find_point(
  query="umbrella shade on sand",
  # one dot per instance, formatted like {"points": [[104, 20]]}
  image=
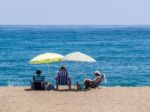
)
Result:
{"points": [[46, 58], [79, 57]]}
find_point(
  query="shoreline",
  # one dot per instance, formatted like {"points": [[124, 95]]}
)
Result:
{"points": [[73, 87], [103, 99]]}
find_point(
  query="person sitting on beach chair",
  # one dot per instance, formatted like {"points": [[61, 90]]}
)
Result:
{"points": [[38, 81], [62, 78], [89, 83]]}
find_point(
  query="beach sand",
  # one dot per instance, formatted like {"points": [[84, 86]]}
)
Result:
{"points": [[104, 99]]}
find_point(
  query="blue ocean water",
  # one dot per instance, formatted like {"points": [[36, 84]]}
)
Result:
{"points": [[122, 52]]}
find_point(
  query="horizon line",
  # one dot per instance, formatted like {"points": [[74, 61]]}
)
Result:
{"points": [[74, 24]]}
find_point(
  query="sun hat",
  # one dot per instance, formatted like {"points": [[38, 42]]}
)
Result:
{"points": [[97, 72]]}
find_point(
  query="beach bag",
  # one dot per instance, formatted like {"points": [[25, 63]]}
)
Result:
{"points": [[49, 87]]}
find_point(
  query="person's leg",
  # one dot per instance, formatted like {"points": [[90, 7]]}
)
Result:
{"points": [[78, 86], [87, 84], [32, 85], [56, 85], [69, 84], [43, 85], [85, 80], [92, 85]]}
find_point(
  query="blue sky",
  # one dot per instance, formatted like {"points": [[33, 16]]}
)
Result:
{"points": [[75, 12]]}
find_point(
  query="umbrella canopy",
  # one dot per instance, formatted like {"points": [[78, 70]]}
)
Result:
{"points": [[46, 58], [78, 56]]}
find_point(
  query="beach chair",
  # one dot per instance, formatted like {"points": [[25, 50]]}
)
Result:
{"points": [[37, 83], [96, 84], [91, 85], [63, 80]]}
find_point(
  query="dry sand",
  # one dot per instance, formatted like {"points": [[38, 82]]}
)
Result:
{"points": [[105, 99]]}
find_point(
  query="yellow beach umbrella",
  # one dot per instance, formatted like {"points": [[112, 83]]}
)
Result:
{"points": [[46, 58]]}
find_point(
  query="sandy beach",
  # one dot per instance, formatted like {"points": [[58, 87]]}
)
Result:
{"points": [[104, 99]]}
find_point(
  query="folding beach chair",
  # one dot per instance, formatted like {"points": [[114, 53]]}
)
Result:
{"points": [[37, 85], [96, 84], [63, 79], [90, 85]]}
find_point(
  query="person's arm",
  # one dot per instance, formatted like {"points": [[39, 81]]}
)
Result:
{"points": [[69, 78], [43, 78], [96, 79], [33, 78], [56, 76]]}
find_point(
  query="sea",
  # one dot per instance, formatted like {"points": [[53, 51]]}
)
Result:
{"points": [[122, 52]]}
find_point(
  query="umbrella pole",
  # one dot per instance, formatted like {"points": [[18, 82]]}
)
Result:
{"points": [[48, 69]]}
